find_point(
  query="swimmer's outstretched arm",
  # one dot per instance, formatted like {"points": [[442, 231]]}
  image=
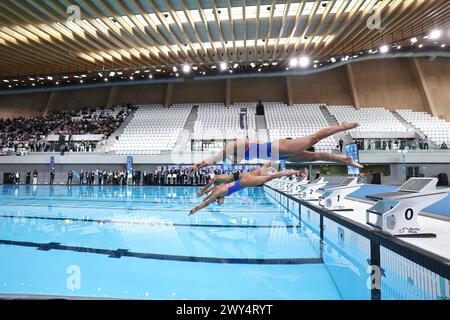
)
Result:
{"points": [[255, 181], [263, 170], [206, 202], [207, 188]]}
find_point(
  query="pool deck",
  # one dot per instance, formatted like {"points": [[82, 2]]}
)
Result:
{"points": [[441, 227]]}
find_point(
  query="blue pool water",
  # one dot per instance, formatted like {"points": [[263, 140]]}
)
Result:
{"points": [[140, 243]]}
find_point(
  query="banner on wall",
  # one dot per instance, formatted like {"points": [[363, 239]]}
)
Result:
{"points": [[282, 165], [352, 151], [129, 166], [52, 163]]}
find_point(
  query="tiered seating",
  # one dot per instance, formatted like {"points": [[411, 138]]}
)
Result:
{"points": [[152, 130], [370, 119], [297, 121], [215, 121], [437, 130]]}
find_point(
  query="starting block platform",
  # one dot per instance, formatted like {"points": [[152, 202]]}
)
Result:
{"points": [[332, 197], [308, 191], [396, 212]]}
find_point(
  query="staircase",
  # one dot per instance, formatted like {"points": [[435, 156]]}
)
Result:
{"points": [[112, 138], [190, 121], [347, 138], [408, 125], [260, 122], [183, 141]]}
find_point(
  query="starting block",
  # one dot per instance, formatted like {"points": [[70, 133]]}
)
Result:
{"points": [[307, 191], [396, 212], [295, 188], [332, 198]]}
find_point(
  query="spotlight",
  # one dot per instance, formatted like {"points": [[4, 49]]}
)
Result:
{"points": [[112, 73], [235, 65], [100, 74], [413, 40], [81, 81], [384, 49], [176, 74], [57, 82], [443, 46], [252, 65], [131, 78], [293, 62], [420, 45], [259, 70], [333, 60], [49, 78], [223, 66], [304, 62], [174, 69], [274, 63], [435, 34], [186, 68], [194, 67], [399, 47], [106, 79], [150, 76]]}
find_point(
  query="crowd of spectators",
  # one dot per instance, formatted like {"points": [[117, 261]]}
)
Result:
{"points": [[164, 175], [28, 134], [160, 176]]}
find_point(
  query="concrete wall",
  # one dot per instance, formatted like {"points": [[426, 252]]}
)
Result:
{"points": [[392, 83]]}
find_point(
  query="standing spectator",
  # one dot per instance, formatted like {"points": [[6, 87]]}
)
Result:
{"points": [[28, 179], [341, 144], [17, 177], [81, 177], [69, 177], [100, 177], [52, 176], [35, 176], [425, 143], [138, 177]]}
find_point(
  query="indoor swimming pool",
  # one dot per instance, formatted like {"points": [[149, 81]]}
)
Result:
{"points": [[140, 243]]}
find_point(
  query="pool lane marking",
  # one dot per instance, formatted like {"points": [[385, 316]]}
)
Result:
{"points": [[275, 226], [119, 253], [274, 210]]}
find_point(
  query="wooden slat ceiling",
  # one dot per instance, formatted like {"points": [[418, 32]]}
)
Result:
{"points": [[35, 37]]}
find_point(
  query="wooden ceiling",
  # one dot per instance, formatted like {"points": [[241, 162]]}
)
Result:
{"points": [[36, 37]]}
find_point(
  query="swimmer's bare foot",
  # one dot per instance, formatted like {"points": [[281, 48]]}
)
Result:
{"points": [[191, 212], [349, 161], [198, 194], [199, 165], [349, 125]]}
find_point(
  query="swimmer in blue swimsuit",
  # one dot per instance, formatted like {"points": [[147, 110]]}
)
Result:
{"points": [[294, 150], [226, 178], [246, 180]]}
